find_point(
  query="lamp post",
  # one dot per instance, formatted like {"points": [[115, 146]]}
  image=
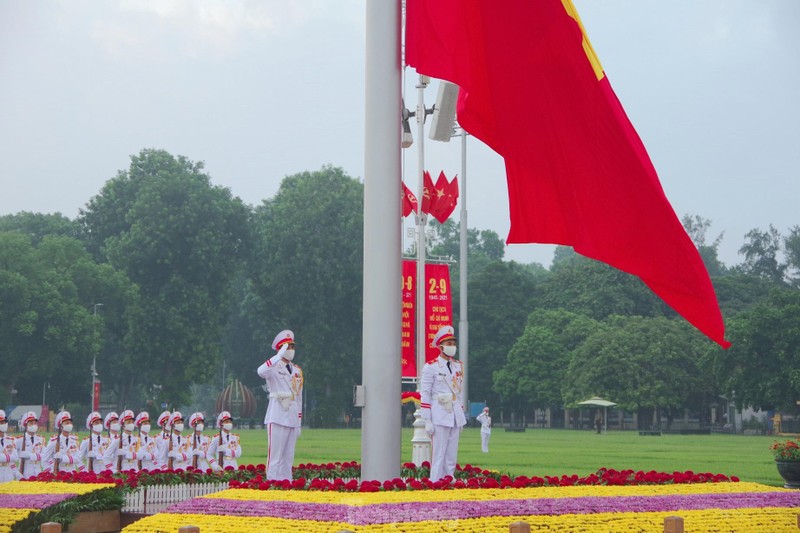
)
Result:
{"points": [[45, 386], [94, 364]]}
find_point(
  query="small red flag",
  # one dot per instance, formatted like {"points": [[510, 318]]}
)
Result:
{"points": [[532, 88], [444, 198], [409, 201], [427, 193]]}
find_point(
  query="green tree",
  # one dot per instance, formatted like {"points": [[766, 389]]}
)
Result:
{"points": [[761, 250], [763, 365], [535, 372], [307, 270], [792, 248], [637, 362], [500, 298], [182, 241], [47, 325], [38, 225], [697, 227], [588, 287]]}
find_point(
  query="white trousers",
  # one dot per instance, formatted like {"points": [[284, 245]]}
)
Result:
{"points": [[281, 441], [444, 443], [485, 442]]}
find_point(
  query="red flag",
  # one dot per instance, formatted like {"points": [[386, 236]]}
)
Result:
{"points": [[409, 201], [444, 198], [578, 174], [427, 192]]}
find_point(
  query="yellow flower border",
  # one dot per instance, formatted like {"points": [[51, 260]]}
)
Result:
{"points": [[371, 498], [36, 487]]}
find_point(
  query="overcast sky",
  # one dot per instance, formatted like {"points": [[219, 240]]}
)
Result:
{"points": [[259, 90]]}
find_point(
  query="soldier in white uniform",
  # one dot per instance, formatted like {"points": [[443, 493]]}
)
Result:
{"points": [[162, 439], [200, 443], [95, 447], [442, 403], [486, 428], [9, 458], [225, 446], [127, 453], [179, 446], [111, 423], [30, 446], [148, 454], [285, 410], [62, 453]]}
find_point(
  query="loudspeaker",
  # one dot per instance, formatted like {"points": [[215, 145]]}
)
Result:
{"points": [[444, 112]]}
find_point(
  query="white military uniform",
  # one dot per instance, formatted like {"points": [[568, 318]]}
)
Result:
{"points": [[9, 458], [30, 447], [148, 456], [128, 449], [225, 447], [111, 423], [179, 445], [63, 450], [442, 405], [285, 410], [486, 429], [95, 448], [162, 439], [200, 443]]}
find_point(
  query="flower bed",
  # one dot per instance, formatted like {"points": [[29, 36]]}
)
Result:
{"points": [[25, 505], [706, 507]]}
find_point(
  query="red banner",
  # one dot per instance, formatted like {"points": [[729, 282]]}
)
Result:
{"points": [[96, 406], [438, 311], [408, 317]]}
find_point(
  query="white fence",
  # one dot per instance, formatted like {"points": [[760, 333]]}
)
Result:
{"points": [[155, 498]]}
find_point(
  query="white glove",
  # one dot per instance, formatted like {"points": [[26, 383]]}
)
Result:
{"points": [[128, 455], [283, 349], [429, 427], [198, 452], [175, 454], [228, 452], [24, 454], [299, 429]]}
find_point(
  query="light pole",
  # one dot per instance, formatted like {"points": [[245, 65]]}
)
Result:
{"points": [[45, 386], [94, 363]]}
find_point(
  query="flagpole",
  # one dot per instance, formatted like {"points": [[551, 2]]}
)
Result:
{"points": [[381, 414], [463, 323]]}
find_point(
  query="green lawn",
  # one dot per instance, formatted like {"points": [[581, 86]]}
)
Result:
{"points": [[539, 452]]}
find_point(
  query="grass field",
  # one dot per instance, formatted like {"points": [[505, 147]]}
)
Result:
{"points": [[542, 452]]}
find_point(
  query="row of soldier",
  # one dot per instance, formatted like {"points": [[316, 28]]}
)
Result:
{"points": [[117, 443]]}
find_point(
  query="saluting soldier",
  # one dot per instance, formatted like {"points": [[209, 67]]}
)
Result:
{"points": [[30, 446], [486, 428], [95, 447], [127, 458], [285, 410], [179, 447], [225, 447], [442, 403], [148, 454], [62, 452], [9, 458]]}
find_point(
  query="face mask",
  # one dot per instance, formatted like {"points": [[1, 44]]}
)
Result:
{"points": [[4, 427], [129, 427], [178, 427], [289, 355], [450, 351], [199, 427], [145, 428], [227, 426], [114, 426], [67, 427], [97, 428], [33, 429]]}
